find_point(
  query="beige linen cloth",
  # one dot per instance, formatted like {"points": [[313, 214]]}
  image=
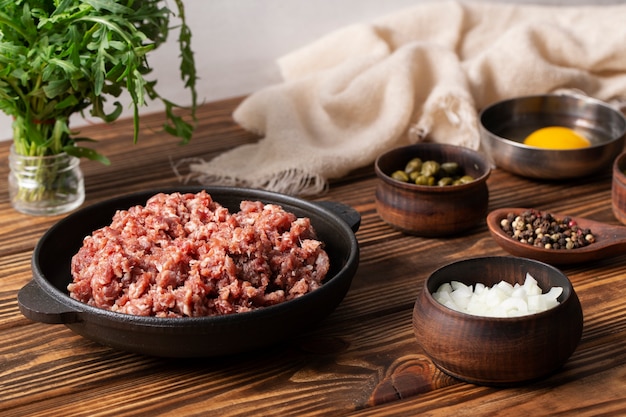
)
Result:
{"points": [[421, 74]]}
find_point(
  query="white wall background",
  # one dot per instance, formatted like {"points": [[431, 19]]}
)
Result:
{"points": [[237, 42]]}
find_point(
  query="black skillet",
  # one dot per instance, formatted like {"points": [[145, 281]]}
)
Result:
{"points": [[45, 299]]}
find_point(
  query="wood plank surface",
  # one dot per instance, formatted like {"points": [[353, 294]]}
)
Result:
{"points": [[362, 360]]}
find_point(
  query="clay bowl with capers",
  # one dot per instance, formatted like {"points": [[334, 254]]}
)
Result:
{"points": [[449, 203]]}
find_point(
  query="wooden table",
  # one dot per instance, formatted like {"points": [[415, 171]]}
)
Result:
{"points": [[362, 360]]}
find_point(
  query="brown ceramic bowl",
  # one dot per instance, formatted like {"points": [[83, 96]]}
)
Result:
{"points": [[432, 210], [618, 188], [504, 126], [498, 351]]}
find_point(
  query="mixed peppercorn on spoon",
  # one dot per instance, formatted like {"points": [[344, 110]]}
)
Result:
{"points": [[603, 240]]}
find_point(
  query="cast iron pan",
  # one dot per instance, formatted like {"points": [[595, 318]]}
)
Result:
{"points": [[45, 299]]}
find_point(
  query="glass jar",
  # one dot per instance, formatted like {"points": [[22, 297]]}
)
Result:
{"points": [[45, 185]]}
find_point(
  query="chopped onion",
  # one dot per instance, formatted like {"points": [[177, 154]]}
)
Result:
{"points": [[501, 300]]}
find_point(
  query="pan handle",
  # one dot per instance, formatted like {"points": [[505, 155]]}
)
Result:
{"points": [[35, 304], [345, 212]]}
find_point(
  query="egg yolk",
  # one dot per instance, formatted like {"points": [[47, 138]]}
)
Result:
{"points": [[556, 137]]}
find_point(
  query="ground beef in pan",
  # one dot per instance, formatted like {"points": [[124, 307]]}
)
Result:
{"points": [[186, 255]]}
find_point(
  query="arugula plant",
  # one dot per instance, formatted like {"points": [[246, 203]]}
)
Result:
{"points": [[60, 57]]}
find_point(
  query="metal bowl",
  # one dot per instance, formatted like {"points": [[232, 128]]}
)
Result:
{"points": [[45, 299], [504, 126], [492, 350]]}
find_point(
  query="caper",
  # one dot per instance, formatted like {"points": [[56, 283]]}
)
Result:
{"points": [[413, 175], [430, 168], [414, 165], [425, 180], [400, 176], [432, 173], [450, 168], [465, 179]]}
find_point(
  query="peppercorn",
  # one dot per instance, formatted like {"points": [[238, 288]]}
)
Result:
{"points": [[543, 230]]}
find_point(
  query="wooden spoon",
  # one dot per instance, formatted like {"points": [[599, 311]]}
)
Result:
{"points": [[610, 241]]}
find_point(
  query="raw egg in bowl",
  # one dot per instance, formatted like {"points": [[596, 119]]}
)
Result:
{"points": [[556, 137], [551, 136]]}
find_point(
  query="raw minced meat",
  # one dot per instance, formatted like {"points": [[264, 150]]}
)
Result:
{"points": [[186, 255]]}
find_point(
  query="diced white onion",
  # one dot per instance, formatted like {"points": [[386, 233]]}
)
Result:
{"points": [[501, 300]]}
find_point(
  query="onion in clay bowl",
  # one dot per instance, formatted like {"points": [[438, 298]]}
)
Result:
{"points": [[46, 299], [601, 240], [469, 342]]}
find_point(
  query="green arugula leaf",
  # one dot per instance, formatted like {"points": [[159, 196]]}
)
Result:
{"points": [[60, 57], [88, 153]]}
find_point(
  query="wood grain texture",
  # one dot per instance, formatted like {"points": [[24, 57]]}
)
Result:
{"points": [[362, 360]]}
